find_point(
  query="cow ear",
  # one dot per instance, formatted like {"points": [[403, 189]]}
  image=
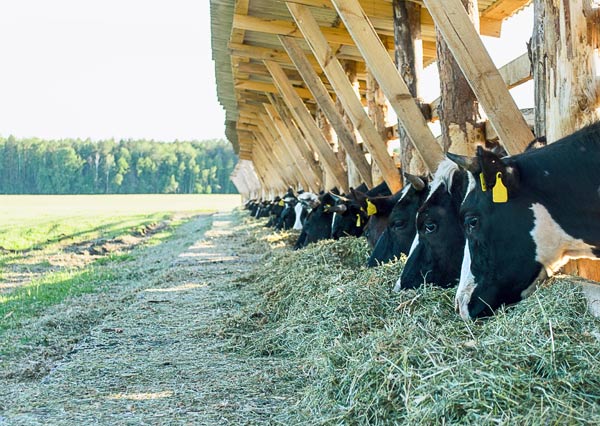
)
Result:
{"points": [[496, 175], [470, 164], [416, 181], [379, 205]]}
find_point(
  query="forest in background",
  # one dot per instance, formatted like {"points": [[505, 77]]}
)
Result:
{"points": [[35, 166]]}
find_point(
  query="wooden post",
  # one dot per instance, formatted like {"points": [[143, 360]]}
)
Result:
{"points": [[299, 154], [321, 95], [567, 76], [353, 107], [308, 125], [280, 176], [453, 22], [350, 70], [408, 54], [462, 127], [299, 138], [288, 150], [377, 108], [391, 82]]}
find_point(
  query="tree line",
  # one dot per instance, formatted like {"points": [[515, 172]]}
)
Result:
{"points": [[35, 166]]}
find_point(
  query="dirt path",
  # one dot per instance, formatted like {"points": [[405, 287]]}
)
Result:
{"points": [[159, 359]]}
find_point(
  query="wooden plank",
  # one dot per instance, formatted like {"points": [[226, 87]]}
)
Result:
{"points": [[259, 86], [457, 29], [283, 165], [391, 82], [514, 73], [380, 10], [308, 126], [296, 150], [321, 95], [287, 158], [278, 27], [298, 137], [345, 92]]}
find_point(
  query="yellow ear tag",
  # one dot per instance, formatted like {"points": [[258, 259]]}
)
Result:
{"points": [[281, 203], [499, 192], [357, 220], [371, 208], [482, 180]]}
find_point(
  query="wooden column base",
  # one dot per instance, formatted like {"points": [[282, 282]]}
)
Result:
{"points": [[585, 268]]}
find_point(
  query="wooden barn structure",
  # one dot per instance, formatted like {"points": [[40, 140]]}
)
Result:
{"points": [[309, 86]]}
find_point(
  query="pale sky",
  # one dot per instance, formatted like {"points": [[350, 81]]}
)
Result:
{"points": [[130, 69], [109, 68]]}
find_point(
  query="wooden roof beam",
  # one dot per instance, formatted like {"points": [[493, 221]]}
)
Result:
{"points": [[320, 93], [515, 73], [309, 127], [259, 86], [345, 92], [304, 161], [391, 82], [482, 75]]}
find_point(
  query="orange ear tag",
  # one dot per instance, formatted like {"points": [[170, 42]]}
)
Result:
{"points": [[371, 208], [357, 220], [499, 192], [482, 180]]}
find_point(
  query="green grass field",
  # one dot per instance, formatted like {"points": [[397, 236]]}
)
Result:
{"points": [[31, 221], [49, 244]]}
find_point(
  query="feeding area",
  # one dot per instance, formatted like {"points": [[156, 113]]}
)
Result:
{"points": [[367, 355]]}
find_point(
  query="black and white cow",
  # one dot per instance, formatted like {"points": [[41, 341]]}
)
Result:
{"points": [[350, 214], [317, 225], [401, 210], [525, 216], [436, 253]]}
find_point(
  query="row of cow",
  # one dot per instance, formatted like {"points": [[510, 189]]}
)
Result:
{"points": [[494, 225]]}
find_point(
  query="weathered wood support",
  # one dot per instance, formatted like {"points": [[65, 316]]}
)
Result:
{"points": [[408, 54], [299, 138], [308, 125], [298, 151], [321, 95], [565, 74], [453, 22], [377, 109], [391, 82], [270, 132], [280, 177], [461, 123], [353, 107]]}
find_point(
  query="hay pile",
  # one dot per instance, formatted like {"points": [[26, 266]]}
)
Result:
{"points": [[374, 357]]}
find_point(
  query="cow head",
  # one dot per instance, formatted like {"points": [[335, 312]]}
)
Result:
{"points": [[436, 251], [350, 215], [399, 233], [499, 263]]}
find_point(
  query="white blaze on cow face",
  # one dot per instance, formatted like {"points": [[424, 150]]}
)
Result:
{"points": [[471, 186], [298, 210], [443, 175], [413, 246], [553, 246], [466, 287]]}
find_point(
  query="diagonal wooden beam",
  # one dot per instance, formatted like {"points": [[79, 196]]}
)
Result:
{"points": [[452, 20], [321, 95], [273, 140], [296, 150], [345, 92], [297, 136], [279, 27], [259, 86], [309, 127], [390, 81], [284, 165]]}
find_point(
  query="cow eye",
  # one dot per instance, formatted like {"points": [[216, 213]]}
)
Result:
{"points": [[471, 224], [430, 227], [399, 224]]}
